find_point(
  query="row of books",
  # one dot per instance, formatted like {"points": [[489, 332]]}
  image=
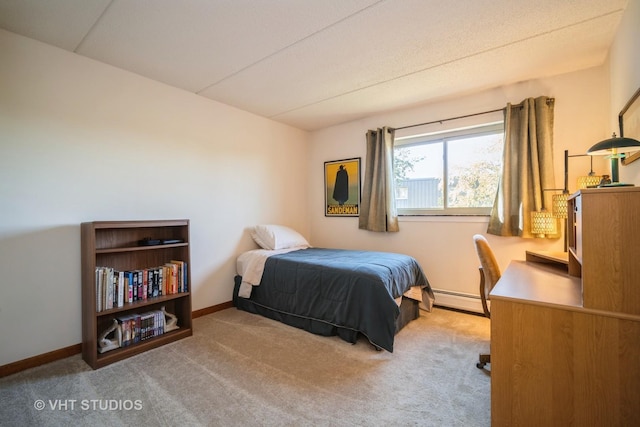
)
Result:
{"points": [[139, 327], [115, 288]]}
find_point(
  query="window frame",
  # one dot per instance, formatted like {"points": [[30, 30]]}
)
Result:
{"points": [[443, 137]]}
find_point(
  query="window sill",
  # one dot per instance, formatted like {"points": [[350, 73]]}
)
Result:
{"points": [[445, 218]]}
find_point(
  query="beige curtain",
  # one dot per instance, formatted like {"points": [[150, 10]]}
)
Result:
{"points": [[378, 204], [527, 167]]}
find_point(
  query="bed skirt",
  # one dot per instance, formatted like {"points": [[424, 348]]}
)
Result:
{"points": [[409, 310]]}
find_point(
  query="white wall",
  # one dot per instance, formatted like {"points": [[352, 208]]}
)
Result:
{"points": [[624, 60], [443, 246], [82, 141]]}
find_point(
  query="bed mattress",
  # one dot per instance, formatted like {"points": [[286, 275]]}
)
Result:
{"points": [[338, 292]]}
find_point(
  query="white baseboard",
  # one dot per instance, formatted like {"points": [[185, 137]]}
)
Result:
{"points": [[458, 300]]}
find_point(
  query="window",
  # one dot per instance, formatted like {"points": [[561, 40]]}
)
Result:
{"points": [[452, 172]]}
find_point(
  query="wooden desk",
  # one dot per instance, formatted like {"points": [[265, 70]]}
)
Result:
{"points": [[555, 363]]}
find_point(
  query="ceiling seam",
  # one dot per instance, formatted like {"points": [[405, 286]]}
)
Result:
{"points": [[282, 49], [447, 63], [75, 50]]}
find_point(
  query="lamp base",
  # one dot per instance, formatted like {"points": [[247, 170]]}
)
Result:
{"points": [[616, 184]]}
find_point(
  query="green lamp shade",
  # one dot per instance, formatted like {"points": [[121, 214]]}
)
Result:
{"points": [[621, 145], [614, 147]]}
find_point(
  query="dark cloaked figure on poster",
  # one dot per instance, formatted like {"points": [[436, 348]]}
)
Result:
{"points": [[341, 189]]}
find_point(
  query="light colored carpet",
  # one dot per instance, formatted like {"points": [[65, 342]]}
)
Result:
{"points": [[240, 369]]}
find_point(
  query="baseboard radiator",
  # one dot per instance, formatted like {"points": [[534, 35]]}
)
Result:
{"points": [[458, 300]]}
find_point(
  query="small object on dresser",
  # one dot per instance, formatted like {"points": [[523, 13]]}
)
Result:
{"points": [[171, 241], [148, 241]]}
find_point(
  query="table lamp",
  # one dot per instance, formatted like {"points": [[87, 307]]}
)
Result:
{"points": [[589, 180], [615, 148], [543, 223]]}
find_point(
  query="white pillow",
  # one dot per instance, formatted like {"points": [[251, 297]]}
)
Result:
{"points": [[278, 237]]}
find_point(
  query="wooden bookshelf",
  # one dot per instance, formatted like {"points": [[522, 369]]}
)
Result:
{"points": [[116, 244]]}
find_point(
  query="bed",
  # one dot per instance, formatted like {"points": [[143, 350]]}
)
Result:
{"points": [[348, 293]]}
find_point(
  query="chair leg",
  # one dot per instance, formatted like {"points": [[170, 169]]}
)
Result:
{"points": [[483, 360]]}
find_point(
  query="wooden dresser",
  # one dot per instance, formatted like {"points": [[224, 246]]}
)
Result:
{"points": [[565, 348]]}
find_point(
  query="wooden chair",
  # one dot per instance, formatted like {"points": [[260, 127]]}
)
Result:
{"points": [[489, 275]]}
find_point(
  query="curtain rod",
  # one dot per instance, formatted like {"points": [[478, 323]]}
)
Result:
{"points": [[452, 118], [549, 101]]}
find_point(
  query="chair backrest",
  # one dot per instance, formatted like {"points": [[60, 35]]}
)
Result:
{"points": [[490, 267]]}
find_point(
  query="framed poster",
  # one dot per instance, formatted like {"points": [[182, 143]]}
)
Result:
{"points": [[342, 187], [629, 121]]}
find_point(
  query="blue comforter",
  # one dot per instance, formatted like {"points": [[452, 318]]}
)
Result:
{"points": [[349, 289]]}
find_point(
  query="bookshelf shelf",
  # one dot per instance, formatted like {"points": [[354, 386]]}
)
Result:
{"points": [[115, 244], [137, 305], [139, 248], [110, 357]]}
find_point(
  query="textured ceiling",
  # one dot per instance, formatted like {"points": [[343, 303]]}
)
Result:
{"points": [[316, 63]]}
